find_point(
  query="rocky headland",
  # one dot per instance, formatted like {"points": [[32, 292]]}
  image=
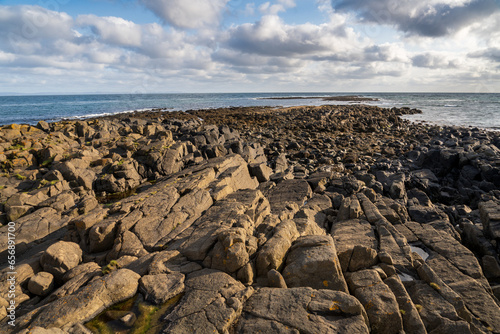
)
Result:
{"points": [[332, 219]]}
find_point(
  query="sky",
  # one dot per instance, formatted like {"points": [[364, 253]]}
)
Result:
{"points": [[164, 46]]}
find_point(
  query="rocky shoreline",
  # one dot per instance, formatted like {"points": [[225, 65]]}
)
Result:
{"points": [[331, 219]]}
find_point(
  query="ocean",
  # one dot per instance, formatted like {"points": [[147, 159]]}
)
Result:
{"points": [[462, 109]]}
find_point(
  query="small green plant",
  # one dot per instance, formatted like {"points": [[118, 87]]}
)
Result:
{"points": [[20, 177], [120, 162], [16, 147], [419, 307], [113, 265], [434, 286], [403, 312], [47, 162], [2, 187]]}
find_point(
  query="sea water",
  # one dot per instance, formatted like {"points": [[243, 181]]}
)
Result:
{"points": [[462, 109]]}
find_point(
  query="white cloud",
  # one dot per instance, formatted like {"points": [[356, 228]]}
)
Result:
{"points": [[432, 18], [113, 30], [266, 54], [188, 14], [272, 9]]}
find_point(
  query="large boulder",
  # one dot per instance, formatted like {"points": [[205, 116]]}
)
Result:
{"points": [[302, 310], [89, 301], [212, 303], [378, 300], [61, 257], [312, 261]]}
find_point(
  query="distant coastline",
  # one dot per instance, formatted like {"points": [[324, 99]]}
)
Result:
{"points": [[458, 109], [346, 98]]}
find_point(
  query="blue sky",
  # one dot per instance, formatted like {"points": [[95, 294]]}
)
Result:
{"points": [[151, 46]]}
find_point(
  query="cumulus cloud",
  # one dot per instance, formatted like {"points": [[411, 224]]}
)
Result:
{"points": [[113, 30], [268, 8], [24, 27], [431, 18], [187, 14], [492, 53], [268, 53], [434, 61], [270, 36]]}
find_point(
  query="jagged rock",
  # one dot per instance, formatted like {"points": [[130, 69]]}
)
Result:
{"points": [[377, 299], [307, 311], [126, 244], [350, 233], [286, 192], [272, 254], [490, 217], [32, 227], [102, 236], [412, 323], [159, 288], [61, 257], [362, 258], [261, 171], [86, 303], [312, 261], [491, 267], [230, 253], [213, 302], [436, 313], [275, 279], [168, 262], [41, 284]]}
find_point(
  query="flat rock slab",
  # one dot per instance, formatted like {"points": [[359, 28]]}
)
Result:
{"points": [[288, 191], [160, 288], [302, 310]]}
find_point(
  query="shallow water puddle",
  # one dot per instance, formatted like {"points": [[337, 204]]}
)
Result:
{"points": [[132, 316], [423, 254]]}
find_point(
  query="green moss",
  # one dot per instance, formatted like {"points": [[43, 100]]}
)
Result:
{"points": [[16, 147], [99, 326], [149, 319], [2, 187], [47, 162], [19, 177], [419, 307], [113, 265]]}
